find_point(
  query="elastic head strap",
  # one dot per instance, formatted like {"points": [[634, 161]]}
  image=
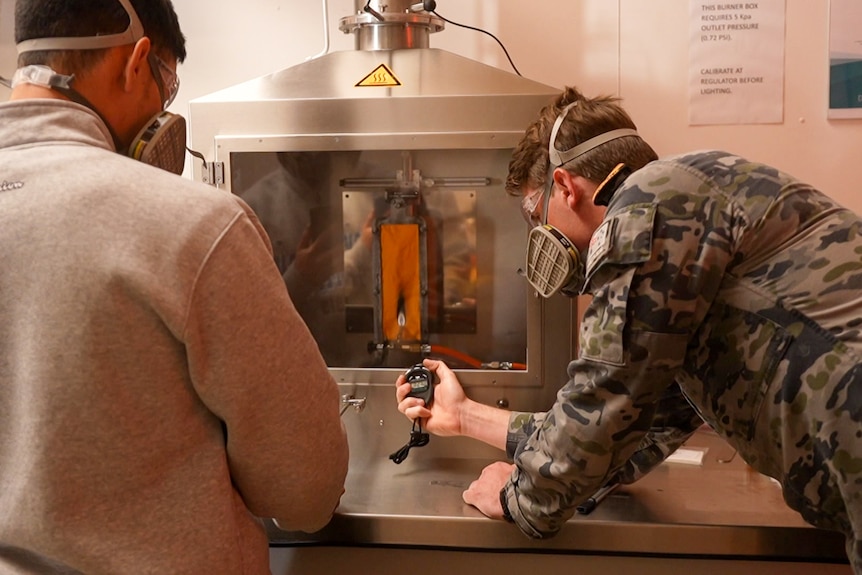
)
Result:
{"points": [[133, 33], [560, 157]]}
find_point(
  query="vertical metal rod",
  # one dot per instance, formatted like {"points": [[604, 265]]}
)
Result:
{"points": [[325, 50]]}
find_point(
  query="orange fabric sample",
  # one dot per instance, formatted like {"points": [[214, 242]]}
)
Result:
{"points": [[400, 281]]}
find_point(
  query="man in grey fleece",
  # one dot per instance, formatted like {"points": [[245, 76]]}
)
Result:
{"points": [[158, 391]]}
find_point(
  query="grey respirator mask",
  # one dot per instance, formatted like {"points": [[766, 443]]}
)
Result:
{"points": [[554, 264], [162, 140]]}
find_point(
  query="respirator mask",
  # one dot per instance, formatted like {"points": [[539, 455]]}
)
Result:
{"points": [[162, 143], [162, 140], [554, 264]]}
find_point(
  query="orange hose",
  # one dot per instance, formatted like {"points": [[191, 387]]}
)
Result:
{"points": [[468, 359]]}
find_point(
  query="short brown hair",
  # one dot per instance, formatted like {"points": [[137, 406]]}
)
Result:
{"points": [[591, 117]]}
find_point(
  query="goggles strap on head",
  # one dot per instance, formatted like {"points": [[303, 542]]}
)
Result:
{"points": [[133, 33]]}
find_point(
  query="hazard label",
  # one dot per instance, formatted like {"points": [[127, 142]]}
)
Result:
{"points": [[380, 76]]}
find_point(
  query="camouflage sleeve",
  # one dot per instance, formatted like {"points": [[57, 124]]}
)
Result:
{"points": [[674, 422], [521, 426], [653, 268]]}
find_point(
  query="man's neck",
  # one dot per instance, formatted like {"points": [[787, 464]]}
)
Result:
{"points": [[32, 92]]}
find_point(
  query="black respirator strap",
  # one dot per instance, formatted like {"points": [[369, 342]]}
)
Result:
{"points": [[76, 97]]}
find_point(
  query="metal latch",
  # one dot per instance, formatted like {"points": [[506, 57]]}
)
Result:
{"points": [[347, 401]]}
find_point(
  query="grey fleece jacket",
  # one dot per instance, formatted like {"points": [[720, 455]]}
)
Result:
{"points": [[158, 390]]}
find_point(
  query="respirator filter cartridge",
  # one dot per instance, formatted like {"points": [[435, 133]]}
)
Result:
{"points": [[552, 260], [162, 143]]}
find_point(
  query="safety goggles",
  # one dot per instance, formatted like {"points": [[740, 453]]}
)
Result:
{"points": [[540, 196], [529, 204], [167, 80]]}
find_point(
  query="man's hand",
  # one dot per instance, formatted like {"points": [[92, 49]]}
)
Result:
{"points": [[484, 493], [444, 417], [453, 413]]}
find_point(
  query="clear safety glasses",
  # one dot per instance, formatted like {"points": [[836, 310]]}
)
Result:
{"points": [[167, 80], [529, 204]]}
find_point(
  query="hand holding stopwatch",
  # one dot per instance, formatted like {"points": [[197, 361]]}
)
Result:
{"points": [[421, 381]]}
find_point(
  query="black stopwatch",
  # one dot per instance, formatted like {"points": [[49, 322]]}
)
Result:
{"points": [[421, 382]]}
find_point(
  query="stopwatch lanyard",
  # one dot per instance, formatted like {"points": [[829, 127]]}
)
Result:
{"points": [[418, 438]]}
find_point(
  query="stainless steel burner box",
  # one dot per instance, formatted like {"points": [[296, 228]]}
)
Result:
{"points": [[452, 117]]}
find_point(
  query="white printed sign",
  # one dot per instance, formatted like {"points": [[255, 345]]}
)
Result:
{"points": [[736, 62]]}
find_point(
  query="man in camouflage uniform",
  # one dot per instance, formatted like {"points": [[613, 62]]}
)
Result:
{"points": [[723, 289]]}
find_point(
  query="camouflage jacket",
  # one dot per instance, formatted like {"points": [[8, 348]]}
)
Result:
{"points": [[724, 290]]}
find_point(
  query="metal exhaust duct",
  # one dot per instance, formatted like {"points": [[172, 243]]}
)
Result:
{"points": [[391, 25]]}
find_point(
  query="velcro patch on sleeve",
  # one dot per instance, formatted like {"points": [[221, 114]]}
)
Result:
{"points": [[600, 244], [624, 239]]}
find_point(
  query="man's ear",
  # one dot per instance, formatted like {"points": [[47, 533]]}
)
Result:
{"points": [[136, 67], [569, 186]]}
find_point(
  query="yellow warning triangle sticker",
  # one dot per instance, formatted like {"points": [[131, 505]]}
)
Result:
{"points": [[380, 76]]}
